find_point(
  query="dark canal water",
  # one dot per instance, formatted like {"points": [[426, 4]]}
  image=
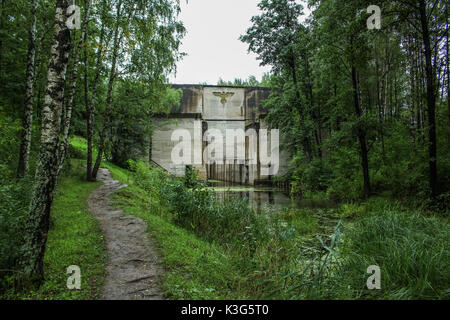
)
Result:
{"points": [[264, 197]]}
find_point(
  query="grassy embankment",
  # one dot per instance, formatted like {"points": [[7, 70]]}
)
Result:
{"points": [[226, 251]]}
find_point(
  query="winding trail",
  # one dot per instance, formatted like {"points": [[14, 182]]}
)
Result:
{"points": [[134, 268]]}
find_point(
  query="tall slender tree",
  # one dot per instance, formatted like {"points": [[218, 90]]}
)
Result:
{"points": [[37, 225], [72, 87], [89, 101], [431, 97], [25, 145], [112, 77], [273, 37]]}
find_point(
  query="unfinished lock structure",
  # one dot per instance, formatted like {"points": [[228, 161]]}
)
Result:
{"points": [[221, 108]]}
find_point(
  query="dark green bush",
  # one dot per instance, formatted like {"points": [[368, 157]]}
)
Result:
{"points": [[9, 145], [14, 199]]}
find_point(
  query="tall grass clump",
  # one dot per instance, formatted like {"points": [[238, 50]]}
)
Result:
{"points": [[411, 250]]}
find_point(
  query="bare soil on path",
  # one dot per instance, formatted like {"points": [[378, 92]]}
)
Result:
{"points": [[134, 267]]}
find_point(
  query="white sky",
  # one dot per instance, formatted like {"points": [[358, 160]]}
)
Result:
{"points": [[212, 42]]}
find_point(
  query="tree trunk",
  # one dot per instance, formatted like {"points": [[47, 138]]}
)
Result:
{"points": [[112, 76], [90, 102], [380, 109], [447, 62], [314, 113], [412, 91], [2, 23], [37, 225], [306, 142], [431, 100], [412, 108], [72, 86], [361, 134], [90, 116], [90, 119], [24, 154]]}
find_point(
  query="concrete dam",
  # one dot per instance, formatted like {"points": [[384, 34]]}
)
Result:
{"points": [[219, 109]]}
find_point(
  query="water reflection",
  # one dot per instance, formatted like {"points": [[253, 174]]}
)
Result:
{"points": [[264, 197]]}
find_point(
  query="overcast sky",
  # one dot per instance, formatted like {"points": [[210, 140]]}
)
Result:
{"points": [[212, 42]]}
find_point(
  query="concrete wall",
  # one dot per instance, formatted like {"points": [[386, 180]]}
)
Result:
{"points": [[162, 145], [221, 108]]}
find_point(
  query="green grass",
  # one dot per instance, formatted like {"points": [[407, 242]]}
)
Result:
{"points": [[78, 148], [74, 239]]}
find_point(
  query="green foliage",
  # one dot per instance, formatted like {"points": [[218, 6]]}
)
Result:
{"points": [[14, 26], [273, 33], [309, 178], [252, 241], [9, 142], [134, 105], [14, 198], [350, 210], [77, 147], [191, 177], [152, 37], [319, 65], [250, 82], [346, 183]]}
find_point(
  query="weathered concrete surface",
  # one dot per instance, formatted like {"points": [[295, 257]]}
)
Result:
{"points": [[134, 268], [215, 109]]}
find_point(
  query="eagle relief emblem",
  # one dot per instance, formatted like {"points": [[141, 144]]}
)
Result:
{"points": [[223, 96]]}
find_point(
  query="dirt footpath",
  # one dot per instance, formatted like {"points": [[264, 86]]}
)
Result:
{"points": [[134, 269]]}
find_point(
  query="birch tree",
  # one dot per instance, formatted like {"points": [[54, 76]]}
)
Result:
{"points": [[72, 86], [24, 154], [37, 225]]}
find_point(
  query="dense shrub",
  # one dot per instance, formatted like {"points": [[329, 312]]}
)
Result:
{"points": [[310, 177], [14, 196], [193, 206], [398, 168], [14, 199], [9, 142]]}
